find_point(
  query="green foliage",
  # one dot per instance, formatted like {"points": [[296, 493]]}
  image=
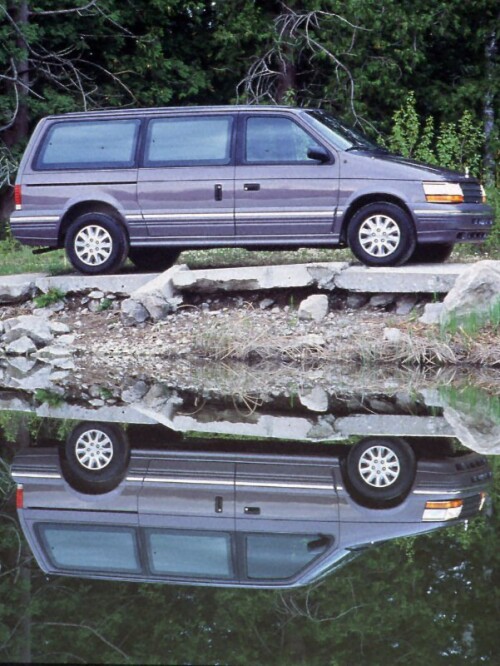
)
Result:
{"points": [[49, 397], [104, 305], [458, 145], [52, 296]]}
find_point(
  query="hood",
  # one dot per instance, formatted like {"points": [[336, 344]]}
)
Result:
{"points": [[375, 164]]}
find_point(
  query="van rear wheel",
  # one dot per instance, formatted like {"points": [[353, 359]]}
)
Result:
{"points": [[96, 243]]}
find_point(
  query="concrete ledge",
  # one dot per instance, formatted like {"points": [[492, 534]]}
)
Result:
{"points": [[419, 278], [403, 279], [122, 285]]}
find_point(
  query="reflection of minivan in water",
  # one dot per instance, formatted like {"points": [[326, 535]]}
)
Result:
{"points": [[246, 517], [150, 183]]}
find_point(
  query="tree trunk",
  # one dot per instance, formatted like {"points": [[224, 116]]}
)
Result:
{"points": [[490, 52], [19, 130]]}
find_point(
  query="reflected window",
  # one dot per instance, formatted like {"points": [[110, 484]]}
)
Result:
{"points": [[189, 141], [197, 554], [280, 556], [277, 140], [91, 548]]}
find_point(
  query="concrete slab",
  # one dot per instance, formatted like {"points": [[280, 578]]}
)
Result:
{"points": [[252, 278], [419, 278], [122, 285]]}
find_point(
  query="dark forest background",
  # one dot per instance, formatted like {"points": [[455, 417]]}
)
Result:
{"points": [[360, 59]]}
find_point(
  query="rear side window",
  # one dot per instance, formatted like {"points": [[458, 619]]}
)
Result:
{"points": [[184, 141], [89, 145], [80, 548]]}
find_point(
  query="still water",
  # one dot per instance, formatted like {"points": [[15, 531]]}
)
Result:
{"points": [[328, 528]]}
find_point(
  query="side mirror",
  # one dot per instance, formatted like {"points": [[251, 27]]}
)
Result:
{"points": [[319, 154]]}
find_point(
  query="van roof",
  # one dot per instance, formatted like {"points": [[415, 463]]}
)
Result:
{"points": [[174, 109]]}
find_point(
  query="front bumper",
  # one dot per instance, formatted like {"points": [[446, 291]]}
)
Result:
{"points": [[447, 223]]}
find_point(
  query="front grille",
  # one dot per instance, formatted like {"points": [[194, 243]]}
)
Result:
{"points": [[472, 191], [471, 506]]}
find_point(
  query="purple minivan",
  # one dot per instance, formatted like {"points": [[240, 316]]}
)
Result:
{"points": [[148, 183]]}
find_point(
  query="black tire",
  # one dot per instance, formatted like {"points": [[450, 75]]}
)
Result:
{"points": [[96, 243], [153, 258], [381, 470], [430, 253], [394, 237], [95, 457]]}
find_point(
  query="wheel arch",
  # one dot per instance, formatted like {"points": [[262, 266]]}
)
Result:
{"points": [[84, 207], [364, 200]]}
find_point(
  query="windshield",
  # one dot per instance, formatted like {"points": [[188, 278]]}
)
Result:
{"points": [[341, 135]]}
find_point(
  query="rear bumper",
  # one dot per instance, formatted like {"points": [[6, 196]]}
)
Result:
{"points": [[442, 223], [35, 229]]}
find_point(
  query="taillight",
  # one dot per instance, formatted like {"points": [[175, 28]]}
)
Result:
{"points": [[18, 198], [19, 497]]}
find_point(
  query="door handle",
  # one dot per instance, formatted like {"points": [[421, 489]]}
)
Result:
{"points": [[252, 510], [251, 187], [218, 192], [218, 504]]}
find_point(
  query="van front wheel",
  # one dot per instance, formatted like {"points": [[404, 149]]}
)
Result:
{"points": [[381, 234], [95, 243]]}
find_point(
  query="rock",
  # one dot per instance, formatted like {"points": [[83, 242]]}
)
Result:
{"points": [[405, 304], [153, 300], [53, 352], [94, 306], [21, 346], [59, 328], [432, 313], [132, 312], [18, 288], [266, 303], [356, 301], [157, 307], [476, 290], [67, 340], [314, 307], [316, 400], [475, 428], [36, 328], [21, 364], [382, 300], [96, 294], [393, 335], [135, 392]]}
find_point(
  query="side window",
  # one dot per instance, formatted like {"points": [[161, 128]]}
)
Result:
{"points": [[280, 556], [181, 141], [274, 139], [81, 548], [89, 145], [193, 554]]}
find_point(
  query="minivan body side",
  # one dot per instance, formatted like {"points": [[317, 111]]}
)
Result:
{"points": [[238, 176]]}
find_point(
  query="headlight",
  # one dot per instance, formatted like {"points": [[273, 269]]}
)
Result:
{"points": [[443, 510], [439, 192]]}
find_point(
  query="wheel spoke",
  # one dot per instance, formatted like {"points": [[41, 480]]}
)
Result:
{"points": [[379, 235], [94, 450], [379, 466]]}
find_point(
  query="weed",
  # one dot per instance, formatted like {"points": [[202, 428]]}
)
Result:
{"points": [[49, 397], [104, 305], [473, 322], [49, 298]]}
